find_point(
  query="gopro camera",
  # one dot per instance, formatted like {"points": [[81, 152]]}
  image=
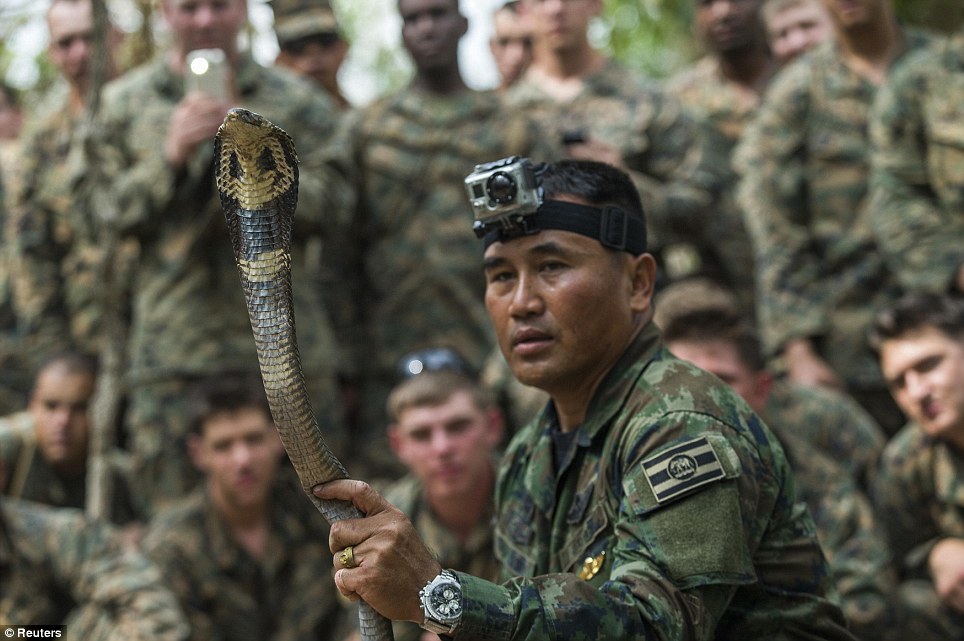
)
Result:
{"points": [[207, 71], [503, 193]]}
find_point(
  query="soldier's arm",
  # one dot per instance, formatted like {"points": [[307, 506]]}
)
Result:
{"points": [[94, 566], [918, 234], [772, 194]]}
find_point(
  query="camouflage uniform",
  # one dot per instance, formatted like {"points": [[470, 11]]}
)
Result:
{"points": [[722, 108], [30, 477], [673, 514], [849, 533], [411, 260], [188, 313], [56, 566], [475, 556], [660, 145], [832, 422], [804, 162], [57, 256], [919, 495], [229, 595], [917, 184]]}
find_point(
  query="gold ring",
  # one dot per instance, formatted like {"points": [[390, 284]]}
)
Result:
{"points": [[347, 557]]}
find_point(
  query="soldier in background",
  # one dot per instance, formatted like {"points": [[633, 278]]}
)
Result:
{"points": [[244, 553], [920, 339], [804, 161], [311, 43], [721, 92], [510, 43], [605, 112], [45, 448], [795, 26], [917, 182], [188, 316], [407, 264], [721, 342]]}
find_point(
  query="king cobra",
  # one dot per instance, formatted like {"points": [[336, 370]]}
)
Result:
{"points": [[257, 181]]}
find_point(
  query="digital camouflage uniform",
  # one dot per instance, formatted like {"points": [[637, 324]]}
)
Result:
{"points": [[662, 148], [31, 478], [836, 424], [409, 254], [226, 593], [474, 557], [57, 256], [851, 537], [56, 566], [919, 496], [673, 516], [917, 184], [722, 108], [804, 165], [189, 318]]}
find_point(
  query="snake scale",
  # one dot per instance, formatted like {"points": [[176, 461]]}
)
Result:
{"points": [[257, 181]]}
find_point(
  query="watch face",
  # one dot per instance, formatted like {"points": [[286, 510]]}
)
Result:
{"points": [[446, 601]]}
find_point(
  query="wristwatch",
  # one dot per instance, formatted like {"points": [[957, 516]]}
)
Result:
{"points": [[442, 604]]}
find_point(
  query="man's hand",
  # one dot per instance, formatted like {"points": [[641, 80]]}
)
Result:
{"points": [[393, 563], [807, 368], [195, 120], [946, 563]]}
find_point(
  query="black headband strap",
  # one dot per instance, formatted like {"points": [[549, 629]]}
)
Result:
{"points": [[611, 226]]}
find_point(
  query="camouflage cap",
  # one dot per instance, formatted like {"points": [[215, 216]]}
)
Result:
{"points": [[295, 19]]}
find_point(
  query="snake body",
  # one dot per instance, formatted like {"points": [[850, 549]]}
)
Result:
{"points": [[257, 181]]}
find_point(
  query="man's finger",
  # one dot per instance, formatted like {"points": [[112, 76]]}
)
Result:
{"points": [[347, 592], [364, 497]]}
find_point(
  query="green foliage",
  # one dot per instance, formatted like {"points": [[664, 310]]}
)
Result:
{"points": [[653, 36]]}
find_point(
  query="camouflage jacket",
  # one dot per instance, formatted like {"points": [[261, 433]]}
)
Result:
{"points": [[660, 145], [917, 183], [804, 165], [57, 260], [226, 593], [836, 424], [188, 311], [723, 109], [673, 515], [407, 250], [474, 557], [56, 567], [31, 478], [850, 534]]}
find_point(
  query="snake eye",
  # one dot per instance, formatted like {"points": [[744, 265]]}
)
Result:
{"points": [[266, 161]]}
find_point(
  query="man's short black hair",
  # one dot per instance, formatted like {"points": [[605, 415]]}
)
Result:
{"points": [[225, 393], [917, 311], [709, 324], [597, 183]]}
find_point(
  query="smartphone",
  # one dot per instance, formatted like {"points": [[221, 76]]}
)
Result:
{"points": [[206, 70]]}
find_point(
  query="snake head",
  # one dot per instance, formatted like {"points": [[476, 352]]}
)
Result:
{"points": [[256, 160]]}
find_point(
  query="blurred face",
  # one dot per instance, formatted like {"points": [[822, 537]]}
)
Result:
{"points": [[239, 452], [925, 372], [448, 446], [431, 30], [797, 28], [564, 307], [562, 24], [721, 359], [728, 25], [318, 57], [206, 24], [511, 45], [854, 13], [71, 27], [58, 407]]}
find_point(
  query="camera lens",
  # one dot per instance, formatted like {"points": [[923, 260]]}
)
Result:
{"points": [[501, 187]]}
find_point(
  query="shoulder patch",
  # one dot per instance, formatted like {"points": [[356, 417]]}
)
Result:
{"points": [[682, 468]]}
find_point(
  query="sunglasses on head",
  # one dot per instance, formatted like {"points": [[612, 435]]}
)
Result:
{"points": [[323, 40], [433, 359]]}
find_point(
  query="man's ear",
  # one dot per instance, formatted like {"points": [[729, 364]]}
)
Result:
{"points": [[643, 275], [496, 423]]}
